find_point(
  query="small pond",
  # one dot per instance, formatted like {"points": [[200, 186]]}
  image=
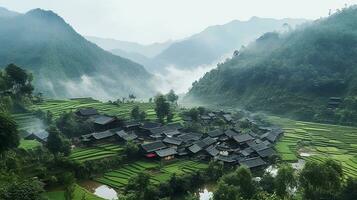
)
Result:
{"points": [[100, 190]]}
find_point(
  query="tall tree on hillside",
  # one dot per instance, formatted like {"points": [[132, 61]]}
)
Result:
{"points": [[135, 112], [162, 107], [18, 80], [285, 179], [24, 189], [9, 137], [57, 143], [321, 180], [171, 96]]}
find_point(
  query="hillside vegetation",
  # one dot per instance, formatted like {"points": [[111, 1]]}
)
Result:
{"points": [[292, 74], [65, 64]]}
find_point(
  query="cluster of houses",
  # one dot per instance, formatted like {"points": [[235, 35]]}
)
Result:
{"points": [[166, 142]]}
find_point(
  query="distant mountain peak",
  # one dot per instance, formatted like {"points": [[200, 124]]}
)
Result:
{"points": [[4, 12], [45, 14]]}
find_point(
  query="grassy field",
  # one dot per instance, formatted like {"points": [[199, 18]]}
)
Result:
{"points": [[79, 193], [29, 144], [122, 111], [95, 152], [27, 121], [318, 142], [119, 178]]}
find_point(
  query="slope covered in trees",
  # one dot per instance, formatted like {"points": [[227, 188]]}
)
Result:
{"points": [[293, 74], [63, 63]]}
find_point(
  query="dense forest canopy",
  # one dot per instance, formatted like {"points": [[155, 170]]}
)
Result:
{"points": [[294, 73]]}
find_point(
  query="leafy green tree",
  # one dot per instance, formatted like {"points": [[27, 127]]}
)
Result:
{"points": [[267, 183], [25, 190], [321, 180], [171, 96], [225, 192], [131, 150], [215, 170], [192, 196], [135, 112], [57, 143], [162, 107], [18, 80], [142, 116], [245, 182], [70, 185], [9, 137], [285, 179], [194, 114], [349, 191]]}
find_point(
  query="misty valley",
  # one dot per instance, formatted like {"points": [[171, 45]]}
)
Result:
{"points": [[254, 109]]}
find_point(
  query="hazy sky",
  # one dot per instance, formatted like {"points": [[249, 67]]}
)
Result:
{"points": [[149, 21]]}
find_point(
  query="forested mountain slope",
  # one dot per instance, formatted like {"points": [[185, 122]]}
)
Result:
{"points": [[216, 41], [65, 64], [293, 74]]}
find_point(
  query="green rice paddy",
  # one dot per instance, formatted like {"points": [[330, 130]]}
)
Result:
{"points": [[122, 111], [95, 152], [320, 141], [120, 177], [79, 194]]}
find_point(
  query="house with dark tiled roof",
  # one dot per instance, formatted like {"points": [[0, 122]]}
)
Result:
{"points": [[266, 153], [166, 154], [211, 150], [173, 141], [126, 136], [153, 146], [215, 133], [252, 162], [243, 138], [230, 133], [86, 112], [40, 136]]}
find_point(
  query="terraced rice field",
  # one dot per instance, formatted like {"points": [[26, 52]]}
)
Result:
{"points": [[120, 177], [27, 121], [96, 152], [319, 141], [122, 111]]}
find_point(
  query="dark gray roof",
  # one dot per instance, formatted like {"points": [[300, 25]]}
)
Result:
{"points": [[243, 138], [247, 151], [205, 117], [102, 135], [42, 135], [194, 148], [268, 152], [102, 119], [126, 136], [272, 135], [259, 147], [227, 117], [24, 134], [182, 152], [186, 137], [227, 159], [171, 133], [166, 152], [131, 124], [153, 146], [230, 133], [211, 114], [252, 162], [215, 133], [174, 141], [150, 125], [174, 126], [87, 111], [157, 130], [187, 118], [212, 150], [208, 141]]}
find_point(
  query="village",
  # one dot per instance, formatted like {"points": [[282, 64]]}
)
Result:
{"points": [[252, 147]]}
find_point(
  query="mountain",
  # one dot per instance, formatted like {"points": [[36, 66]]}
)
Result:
{"points": [[215, 41], [297, 74], [65, 64], [5, 13], [149, 51]]}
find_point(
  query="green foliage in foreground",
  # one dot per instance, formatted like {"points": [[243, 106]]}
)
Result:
{"points": [[292, 74], [319, 141], [79, 194]]}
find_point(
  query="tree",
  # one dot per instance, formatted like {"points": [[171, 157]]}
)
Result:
{"points": [[57, 143], [19, 82], [142, 116], [267, 183], [9, 137], [171, 96], [138, 183], [245, 182], [225, 192], [194, 114], [135, 112], [349, 191], [31, 189], [321, 180], [131, 150], [162, 107], [215, 170], [70, 185], [285, 179]]}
